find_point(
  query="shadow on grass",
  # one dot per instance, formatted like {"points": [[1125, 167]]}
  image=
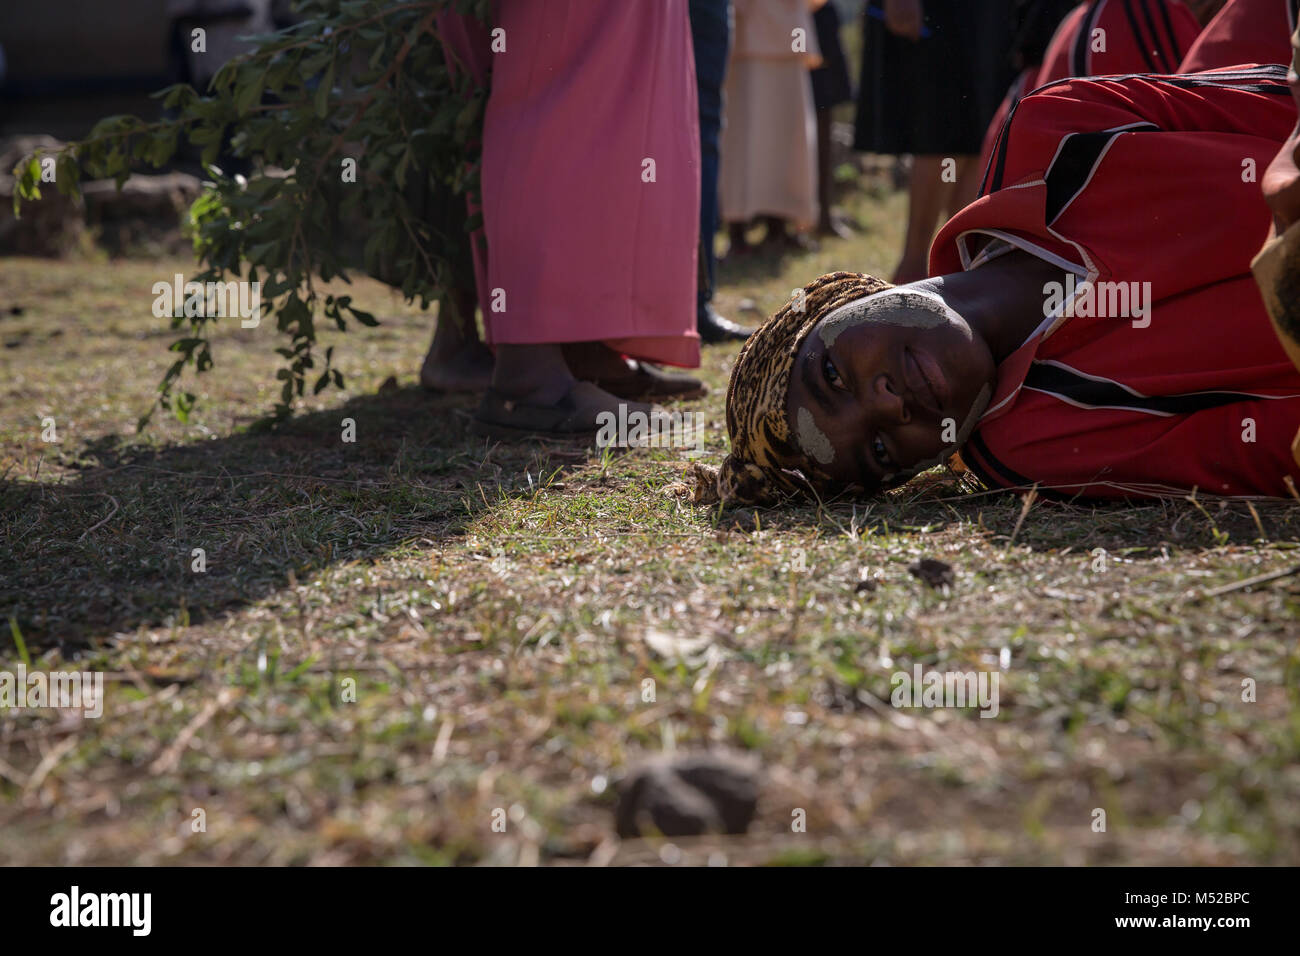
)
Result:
{"points": [[1138, 529], [113, 549]]}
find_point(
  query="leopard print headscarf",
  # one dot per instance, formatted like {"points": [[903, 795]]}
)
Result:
{"points": [[765, 464]]}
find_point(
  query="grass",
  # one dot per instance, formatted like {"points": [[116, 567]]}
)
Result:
{"points": [[401, 641]]}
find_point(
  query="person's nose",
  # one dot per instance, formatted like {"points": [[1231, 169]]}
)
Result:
{"points": [[889, 402]]}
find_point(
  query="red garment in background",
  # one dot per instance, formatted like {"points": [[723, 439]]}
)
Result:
{"points": [[1138, 36], [1244, 31]]}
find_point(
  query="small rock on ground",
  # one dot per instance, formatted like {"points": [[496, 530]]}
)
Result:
{"points": [[688, 796]]}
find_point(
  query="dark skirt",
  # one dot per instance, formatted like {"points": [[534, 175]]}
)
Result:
{"points": [[934, 96], [830, 81]]}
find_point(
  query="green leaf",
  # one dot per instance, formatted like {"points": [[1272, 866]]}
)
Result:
{"points": [[365, 318], [418, 131], [19, 643], [322, 98]]}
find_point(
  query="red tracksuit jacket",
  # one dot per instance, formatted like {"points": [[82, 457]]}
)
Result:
{"points": [[1139, 179]]}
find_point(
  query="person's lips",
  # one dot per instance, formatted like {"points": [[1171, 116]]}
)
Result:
{"points": [[926, 380]]}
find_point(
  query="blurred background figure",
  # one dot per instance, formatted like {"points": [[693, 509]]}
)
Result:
{"points": [[711, 35], [769, 139], [933, 73], [831, 87], [222, 24]]}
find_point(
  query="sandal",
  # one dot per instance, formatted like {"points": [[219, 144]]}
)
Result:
{"points": [[501, 417], [648, 382]]}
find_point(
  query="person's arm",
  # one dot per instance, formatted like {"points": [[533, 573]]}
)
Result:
{"points": [[1163, 160]]}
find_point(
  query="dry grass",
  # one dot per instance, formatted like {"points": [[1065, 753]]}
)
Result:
{"points": [[492, 605]]}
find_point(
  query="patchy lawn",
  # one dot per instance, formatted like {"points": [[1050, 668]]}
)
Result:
{"points": [[399, 641]]}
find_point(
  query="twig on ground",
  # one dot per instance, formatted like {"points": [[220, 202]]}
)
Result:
{"points": [[1030, 498], [48, 763], [1250, 582], [170, 757], [99, 524]]}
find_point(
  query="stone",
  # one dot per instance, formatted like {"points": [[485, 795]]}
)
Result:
{"points": [[688, 796], [937, 574]]}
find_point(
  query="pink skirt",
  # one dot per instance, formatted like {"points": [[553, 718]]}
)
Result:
{"points": [[591, 174]]}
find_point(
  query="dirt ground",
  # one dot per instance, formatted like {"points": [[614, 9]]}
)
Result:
{"points": [[426, 647]]}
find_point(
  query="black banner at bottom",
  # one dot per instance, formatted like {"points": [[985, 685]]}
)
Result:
{"points": [[336, 906]]}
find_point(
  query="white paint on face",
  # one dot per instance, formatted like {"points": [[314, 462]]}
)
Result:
{"points": [[812, 439], [925, 310]]}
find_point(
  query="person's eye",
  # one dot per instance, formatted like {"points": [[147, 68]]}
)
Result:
{"points": [[831, 373], [881, 454]]}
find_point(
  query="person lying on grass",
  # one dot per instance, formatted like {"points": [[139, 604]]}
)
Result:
{"points": [[1091, 325]]}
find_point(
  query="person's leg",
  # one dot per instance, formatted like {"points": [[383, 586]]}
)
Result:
{"points": [[826, 226], [532, 374], [711, 38], [780, 238], [457, 360], [738, 244], [967, 186], [928, 196], [609, 267]]}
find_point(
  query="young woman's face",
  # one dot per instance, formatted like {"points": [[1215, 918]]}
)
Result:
{"points": [[871, 399]]}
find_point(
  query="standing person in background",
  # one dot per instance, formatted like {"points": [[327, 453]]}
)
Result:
{"points": [[831, 87], [933, 72], [224, 24], [590, 189], [711, 35], [769, 140]]}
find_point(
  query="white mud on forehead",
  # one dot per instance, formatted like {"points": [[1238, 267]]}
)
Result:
{"points": [[909, 309]]}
